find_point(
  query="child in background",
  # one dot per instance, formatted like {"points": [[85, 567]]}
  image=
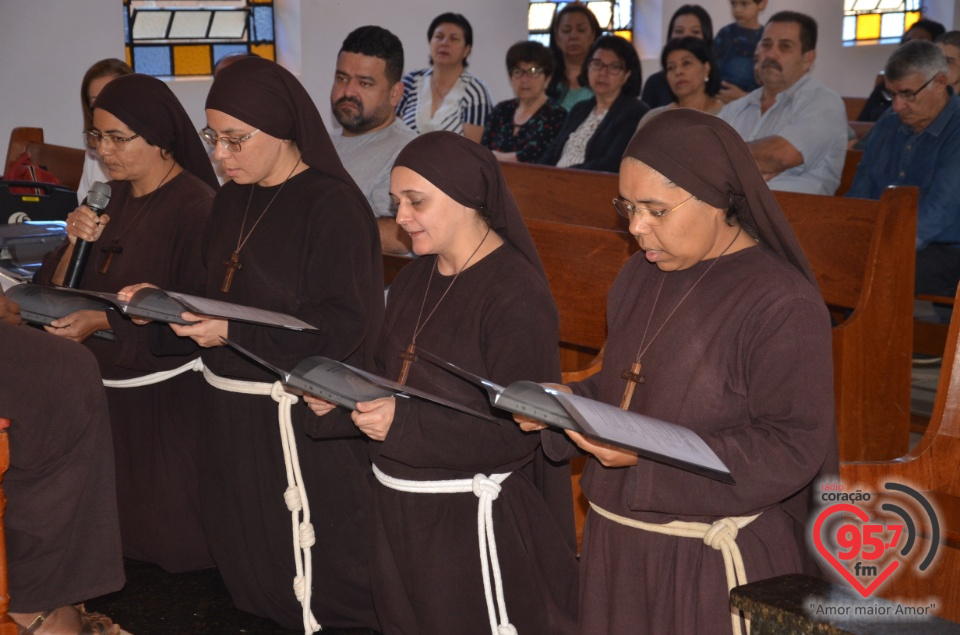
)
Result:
{"points": [[734, 47]]}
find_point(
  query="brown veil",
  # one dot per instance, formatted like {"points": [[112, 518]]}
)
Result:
{"points": [[705, 156], [267, 96], [468, 173], [150, 108]]}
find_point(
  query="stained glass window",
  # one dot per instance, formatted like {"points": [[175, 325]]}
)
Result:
{"points": [[614, 16], [185, 37], [878, 20]]}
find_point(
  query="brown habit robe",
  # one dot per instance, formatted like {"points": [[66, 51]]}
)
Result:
{"points": [[315, 255], [498, 321], [155, 427], [745, 361], [63, 539]]}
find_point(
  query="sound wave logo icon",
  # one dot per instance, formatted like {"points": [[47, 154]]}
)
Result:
{"points": [[866, 552]]}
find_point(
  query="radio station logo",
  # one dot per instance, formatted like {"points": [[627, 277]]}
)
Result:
{"points": [[867, 544]]}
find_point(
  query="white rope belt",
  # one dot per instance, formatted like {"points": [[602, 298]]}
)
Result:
{"points": [[486, 488], [721, 535], [295, 495]]}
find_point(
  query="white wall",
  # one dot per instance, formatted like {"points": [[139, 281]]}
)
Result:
{"points": [[48, 45]]}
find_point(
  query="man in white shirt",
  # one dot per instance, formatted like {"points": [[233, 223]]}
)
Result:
{"points": [[366, 91], [795, 126]]}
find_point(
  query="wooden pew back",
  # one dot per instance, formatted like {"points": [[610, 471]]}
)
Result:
{"points": [[931, 468], [581, 264], [862, 253], [65, 163]]}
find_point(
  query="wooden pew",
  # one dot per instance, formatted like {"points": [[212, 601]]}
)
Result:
{"points": [[65, 163], [931, 467], [854, 105], [7, 625], [862, 253], [849, 171]]}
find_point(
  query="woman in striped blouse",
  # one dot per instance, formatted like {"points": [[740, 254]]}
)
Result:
{"points": [[446, 96]]}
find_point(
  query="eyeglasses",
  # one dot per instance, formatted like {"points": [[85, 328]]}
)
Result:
{"points": [[533, 71], [906, 95], [614, 68], [94, 138], [650, 216], [233, 144]]}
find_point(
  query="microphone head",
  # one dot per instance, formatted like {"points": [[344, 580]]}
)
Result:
{"points": [[98, 196]]}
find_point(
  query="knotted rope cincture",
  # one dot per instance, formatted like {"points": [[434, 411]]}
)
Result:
{"points": [[720, 535], [295, 495], [486, 489]]}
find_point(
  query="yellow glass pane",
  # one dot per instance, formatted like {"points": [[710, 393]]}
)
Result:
{"points": [[129, 57], [911, 17], [868, 26], [262, 1], [627, 35], [191, 59], [266, 51]]}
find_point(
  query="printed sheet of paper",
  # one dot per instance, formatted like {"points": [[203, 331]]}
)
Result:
{"points": [[659, 440]]}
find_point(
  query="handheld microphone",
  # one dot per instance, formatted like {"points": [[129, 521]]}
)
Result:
{"points": [[97, 199]]}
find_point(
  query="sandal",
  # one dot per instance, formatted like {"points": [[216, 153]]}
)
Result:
{"points": [[96, 623], [90, 623], [37, 622]]}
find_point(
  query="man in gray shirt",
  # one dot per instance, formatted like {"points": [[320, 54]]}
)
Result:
{"points": [[795, 127], [366, 90]]}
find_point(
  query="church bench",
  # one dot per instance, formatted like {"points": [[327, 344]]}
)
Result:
{"points": [[850, 164], [65, 163], [930, 338], [862, 254], [932, 468], [854, 105], [7, 625]]}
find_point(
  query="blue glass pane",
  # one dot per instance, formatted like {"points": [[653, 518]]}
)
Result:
{"points": [[262, 24], [220, 50], [152, 60], [126, 25], [543, 38]]}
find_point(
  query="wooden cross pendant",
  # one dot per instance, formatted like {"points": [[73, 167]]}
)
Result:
{"points": [[232, 266], [408, 356], [113, 248], [633, 378]]}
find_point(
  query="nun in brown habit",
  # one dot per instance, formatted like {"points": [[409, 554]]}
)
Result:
{"points": [[62, 535], [162, 193], [720, 315], [476, 297], [292, 233]]}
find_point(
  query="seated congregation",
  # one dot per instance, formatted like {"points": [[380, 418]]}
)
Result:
{"points": [[721, 262]]}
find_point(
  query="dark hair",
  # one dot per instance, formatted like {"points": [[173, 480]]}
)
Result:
{"points": [[457, 20], [702, 52], [531, 53], [627, 54], [934, 28], [706, 24], [950, 38], [808, 27], [560, 74], [109, 67], [375, 41]]}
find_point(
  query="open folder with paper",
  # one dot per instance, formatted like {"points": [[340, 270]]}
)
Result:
{"points": [[651, 438], [345, 385]]}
